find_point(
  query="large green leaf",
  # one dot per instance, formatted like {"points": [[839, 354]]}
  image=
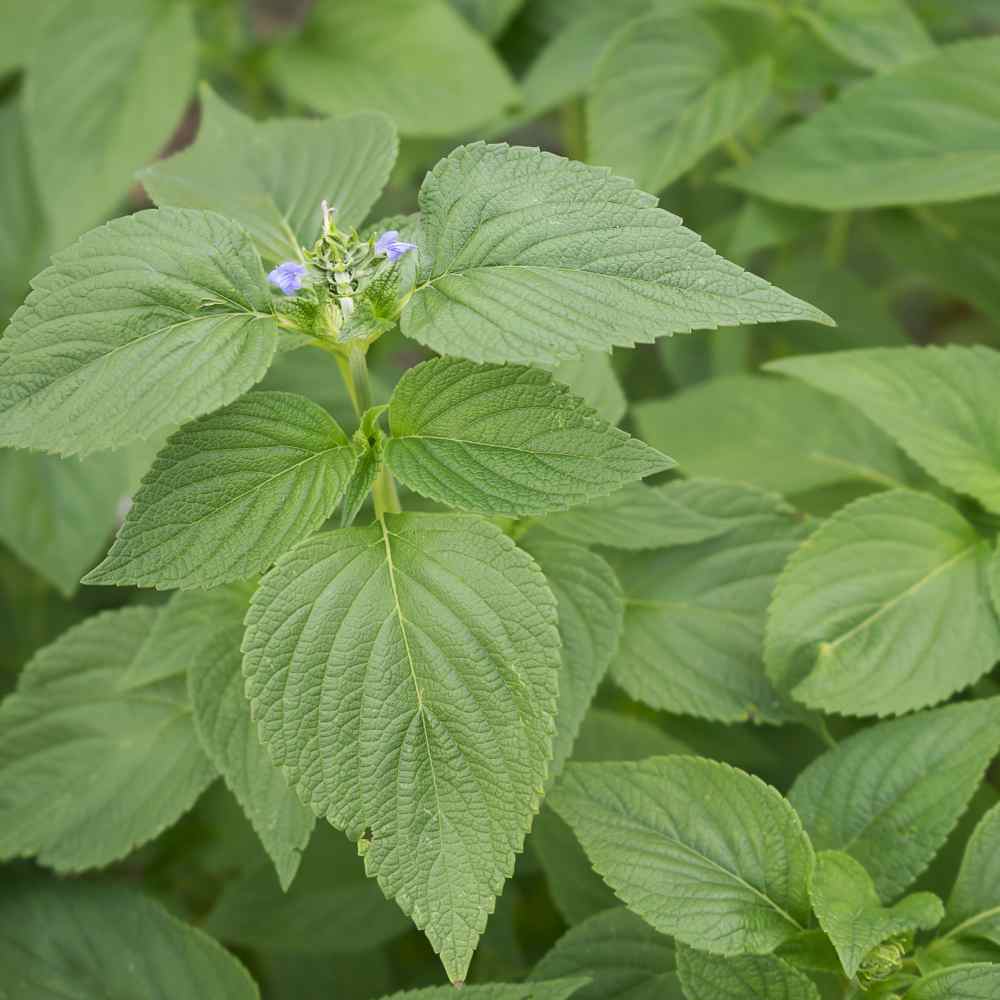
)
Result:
{"points": [[230, 492], [625, 958], [926, 131], [592, 378], [665, 92], [416, 60], [777, 435], [22, 28], [979, 981], [853, 917], [405, 677], [885, 609], [890, 795], [271, 176], [938, 403], [227, 733], [748, 977], [558, 989], [694, 614], [62, 940], [91, 768], [660, 833], [532, 258], [145, 322], [504, 439], [106, 86], [974, 904]]}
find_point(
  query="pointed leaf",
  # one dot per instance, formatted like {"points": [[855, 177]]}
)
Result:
{"points": [[974, 904], [565, 259], [749, 977], [961, 982], [592, 377]]}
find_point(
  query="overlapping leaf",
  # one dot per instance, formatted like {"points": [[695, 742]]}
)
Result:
{"points": [[973, 908], [748, 977]]}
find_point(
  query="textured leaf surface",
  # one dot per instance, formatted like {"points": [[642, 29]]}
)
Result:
{"points": [[592, 377], [938, 403], [658, 831], [885, 609], [927, 131], [979, 981], [799, 441], [91, 768], [227, 733], [559, 989], [748, 977], [504, 439], [665, 92], [392, 57], [695, 614], [890, 795], [62, 940], [405, 677], [230, 492], [849, 910], [105, 88], [625, 958], [145, 322], [271, 176], [532, 258], [974, 904]]}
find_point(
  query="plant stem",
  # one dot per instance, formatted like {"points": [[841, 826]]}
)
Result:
{"points": [[836, 239]]}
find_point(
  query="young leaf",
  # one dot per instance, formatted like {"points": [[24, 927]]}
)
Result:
{"points": [[665, 92], [658, 831], [938, 404], [105, 87], [694, 614], [61, 939], [853, 154], [748, 977], [390, 57], [974, 904], [849, 910], [558, 989], [884, 610], [91, 768], [271, 176], [800, 441], [625, 958], [227, 733], [589, 600], [592, 378], [890, 795], [532, 258], [504, 439], [961, 982], [405, 677], [231, 492], [145, 322]]}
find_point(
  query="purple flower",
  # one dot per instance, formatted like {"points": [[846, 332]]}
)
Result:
{"points": [[288, 276], [390, 245]]}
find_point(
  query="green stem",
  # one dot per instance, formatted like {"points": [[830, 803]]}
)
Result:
{"points": [[836, 239], [738, 153]]}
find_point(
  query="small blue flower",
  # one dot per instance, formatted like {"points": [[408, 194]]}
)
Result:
{"points": [[390, 245], [288, 276]]}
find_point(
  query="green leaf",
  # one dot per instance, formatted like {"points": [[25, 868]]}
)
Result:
{"points": [[849, 910], [938, 403], [974, 904], [405, 677], [91, 768], [417, 61], [800, 441], [565, 259], [145, 322], [890, 795], [22, 28], [331, 907], [695, 614], [592, 378], [227, 733], [558, 989], [608, 735], [748, 977], [230, 492], [62, 939], [640, 517], [962, 982], [659, 832], [504, 439], [488, 16], [875, 34], [105, 88], [271, 176], [625, 958], [589, 600], [884, 610], [665, 92], [854, 154]]}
